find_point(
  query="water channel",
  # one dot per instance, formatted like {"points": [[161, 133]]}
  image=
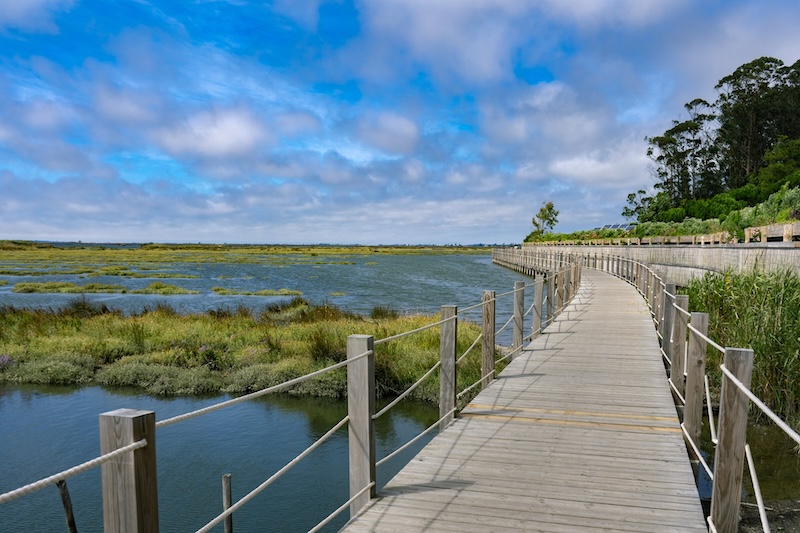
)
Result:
{"points": [[48, 429]]}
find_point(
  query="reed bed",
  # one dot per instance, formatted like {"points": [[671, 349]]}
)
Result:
{"points": [[162, 352], [757, 310]]}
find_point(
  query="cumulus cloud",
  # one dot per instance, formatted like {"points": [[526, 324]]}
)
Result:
{"points": [[213, 134]]}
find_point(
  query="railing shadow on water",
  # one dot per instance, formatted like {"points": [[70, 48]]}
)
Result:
{"points": [[684, 341], [128, 436]]}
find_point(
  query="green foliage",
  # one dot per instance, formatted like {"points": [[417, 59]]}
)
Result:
{"points": [[380, 312], [163, 289], [162, 352], [545, 220], [745, 144], [761, 311]]}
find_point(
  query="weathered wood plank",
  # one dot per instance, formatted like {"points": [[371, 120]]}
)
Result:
{"points": [[579, 433]]}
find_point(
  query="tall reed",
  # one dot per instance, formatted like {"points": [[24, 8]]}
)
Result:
{"points": [[758, 310]]}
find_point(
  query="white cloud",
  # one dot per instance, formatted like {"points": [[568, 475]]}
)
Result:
{"points": [[214, 134], [612, 12], [388, 131], [34, 15]]}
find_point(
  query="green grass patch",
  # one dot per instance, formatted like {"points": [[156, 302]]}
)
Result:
{"points": [[161, 352], [3, 282], [266, 292], [757, 310], [66, 287], [163, 289]]}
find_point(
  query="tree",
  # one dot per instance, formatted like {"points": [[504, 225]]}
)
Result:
{"points": [[545, 220]]}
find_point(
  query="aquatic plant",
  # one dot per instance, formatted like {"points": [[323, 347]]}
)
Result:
{"points": [[758, 310]]}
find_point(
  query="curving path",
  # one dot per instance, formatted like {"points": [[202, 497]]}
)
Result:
{"points": [[579, 433]]}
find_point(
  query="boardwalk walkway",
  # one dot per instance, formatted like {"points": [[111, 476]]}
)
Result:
{"points": [[579, 433]]}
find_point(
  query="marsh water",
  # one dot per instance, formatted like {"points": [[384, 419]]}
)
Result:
{"points": [[47, 429]]}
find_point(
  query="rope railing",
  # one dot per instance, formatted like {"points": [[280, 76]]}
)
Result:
{"points": [[655, 304], [509, 321], [408, 391], [341, 508], [509, 354], [473, 345], [257, 394], [413, 331], [64, 474], [277, 475], [360, 342], [697, 453], [706, 338], [415, 439], [711, 425], [761, 405], [465, 391]]}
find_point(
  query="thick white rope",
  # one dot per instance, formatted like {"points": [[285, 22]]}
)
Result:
{"points": [[411, 332], [257, 394], [277, 475], [697, 452], [341, 508], [705, 338], [415, 439], [761, 405], [407, 391], [510, 320], [711, 425], [474, 344], [762, 512], [463, 392], [83, 467]]}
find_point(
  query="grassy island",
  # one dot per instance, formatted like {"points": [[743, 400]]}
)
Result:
{"points": [[236, 351]]}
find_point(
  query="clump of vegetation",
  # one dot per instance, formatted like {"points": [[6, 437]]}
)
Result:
{"points": [[163, 289], [3, 282], [265, 292], [66, 287], [225, 350], [757, 310]]}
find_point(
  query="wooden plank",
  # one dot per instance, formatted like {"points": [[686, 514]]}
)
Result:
{"points": [[579, 433]]}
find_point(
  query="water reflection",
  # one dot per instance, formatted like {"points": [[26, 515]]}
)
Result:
{"points": [[47, 429]]}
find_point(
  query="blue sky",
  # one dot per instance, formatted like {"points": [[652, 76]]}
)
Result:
{"points": [[387, 121]]}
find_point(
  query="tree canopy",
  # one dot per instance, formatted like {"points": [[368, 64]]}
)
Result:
{"points": [[728, 154], [544, 221]]}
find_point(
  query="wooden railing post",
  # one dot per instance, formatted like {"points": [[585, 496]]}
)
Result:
{"points": [[669, 319], [551, 296], [448, 335], [695, 370], [729, 458], [361, 428], [559, 291], [130, 488], [227, 501], [538, 297], [519, 312], [679, 343], [487, 345]]}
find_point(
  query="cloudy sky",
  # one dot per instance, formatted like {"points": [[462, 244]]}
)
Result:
{"points": [[380, 121]]}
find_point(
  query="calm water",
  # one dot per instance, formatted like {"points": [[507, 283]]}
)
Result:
{"points": [[47, 429]]}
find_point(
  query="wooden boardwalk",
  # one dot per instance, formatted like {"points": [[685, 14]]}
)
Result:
{"points": [[578, 433]]}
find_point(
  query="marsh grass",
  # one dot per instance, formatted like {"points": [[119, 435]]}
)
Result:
{"points": [[757, 310], [164, 289], [227, 350], [265, 292], [66, 287]]}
